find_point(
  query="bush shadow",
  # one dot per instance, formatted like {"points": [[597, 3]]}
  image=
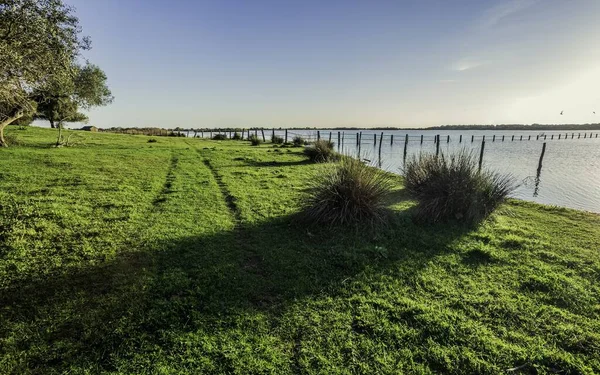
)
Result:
{"points": [[189, 283]]}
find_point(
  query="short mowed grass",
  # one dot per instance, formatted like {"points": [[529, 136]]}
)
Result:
{"points": [[187, 256]]}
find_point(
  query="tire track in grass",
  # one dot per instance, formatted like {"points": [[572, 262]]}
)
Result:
{"points": [[169, 179], [252, 262], [229, 199]]}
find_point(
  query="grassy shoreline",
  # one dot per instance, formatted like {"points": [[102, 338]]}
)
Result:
{"points": [[184, 255]]}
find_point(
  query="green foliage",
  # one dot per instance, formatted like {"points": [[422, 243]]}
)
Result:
{"points": [[26, 120], [298, 141], [277, 140], [58, 101], [348, 193], [152, 140], [453, 188], [125, 257], [254, 140], [236, 136], [219, 137], [321, 151], [90, 88]]}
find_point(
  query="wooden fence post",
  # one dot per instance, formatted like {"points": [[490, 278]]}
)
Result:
{"points": [[405, 147], [262, 131], [460, 139], [421, 138], [392, 140], [286, 138], [481, 154], [437, 145], [380, 143], [329, 137], [318, 135], [542, 156]]}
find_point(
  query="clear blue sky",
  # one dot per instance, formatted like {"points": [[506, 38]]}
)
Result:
{"points": [[345, 63]]}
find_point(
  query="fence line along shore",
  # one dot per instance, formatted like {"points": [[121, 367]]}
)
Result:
{"points": [[356, 137]]}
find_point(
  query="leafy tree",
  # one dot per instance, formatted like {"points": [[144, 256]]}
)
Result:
{"points": [[59, 102], [24, 121], [39, 43]]}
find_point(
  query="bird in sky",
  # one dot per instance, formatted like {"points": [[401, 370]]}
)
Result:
{"points": [[561, 112], [594, 112]]}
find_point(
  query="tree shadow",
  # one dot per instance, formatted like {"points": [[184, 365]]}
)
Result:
{"points": [[96, 313]]}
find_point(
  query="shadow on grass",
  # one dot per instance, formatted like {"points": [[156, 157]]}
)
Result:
{"points": [[105, 313], [275, 163]]}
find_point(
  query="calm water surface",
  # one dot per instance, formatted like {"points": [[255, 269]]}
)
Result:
{"points": [[570, 174]]}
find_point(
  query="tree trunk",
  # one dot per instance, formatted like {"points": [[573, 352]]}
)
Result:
{"points": [[52, 124], [4, 124], [59, 139]]}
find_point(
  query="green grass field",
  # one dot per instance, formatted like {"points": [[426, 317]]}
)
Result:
{"points": [[186, 256]]}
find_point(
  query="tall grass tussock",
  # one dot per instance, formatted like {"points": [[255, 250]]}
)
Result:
{"points": [[298, 141], [277, 140], [348, 193], [321, 151], [254, 140], [453, 188]]}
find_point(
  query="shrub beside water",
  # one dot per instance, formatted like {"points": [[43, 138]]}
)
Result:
{"points": [[277, 139], [298, 141], [453, 188], [219, 137], [348, 193], [236, 136], [321, 151], [254, 140]]}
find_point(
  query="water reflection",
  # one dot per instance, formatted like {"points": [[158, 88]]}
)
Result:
{"points": [[537, 181]]}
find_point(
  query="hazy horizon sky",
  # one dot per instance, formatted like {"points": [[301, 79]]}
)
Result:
{"points": [[345, 63]]}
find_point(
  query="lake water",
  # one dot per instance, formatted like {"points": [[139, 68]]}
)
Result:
{"points": [[570, 174]]}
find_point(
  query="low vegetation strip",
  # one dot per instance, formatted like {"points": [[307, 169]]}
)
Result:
{"points": [[94, 279]]}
